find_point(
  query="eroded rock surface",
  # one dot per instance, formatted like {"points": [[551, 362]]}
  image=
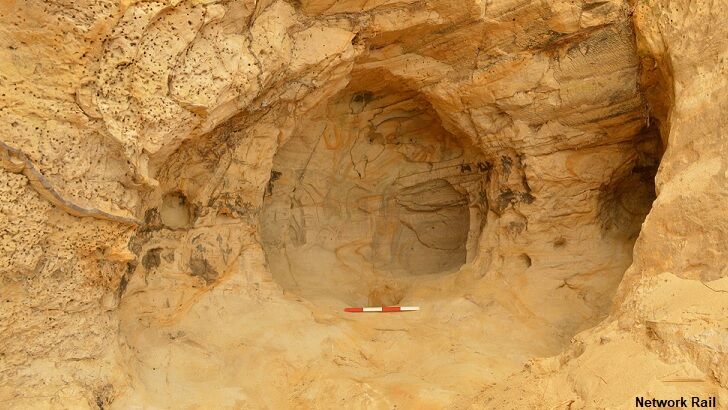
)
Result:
{"points": [[370, 187], [191, 191]]}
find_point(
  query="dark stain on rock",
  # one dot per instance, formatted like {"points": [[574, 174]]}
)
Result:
{"points": [[201, 268], [151, 216], [274, 176], [505, 199], [152, 222], [506, 163], [359, 101], [152, 258], [526, 197], [124, 281], [484, 166], [516, 227], [233, 206], [104, 396], [100, 403], [136, 243], [362, 97]]}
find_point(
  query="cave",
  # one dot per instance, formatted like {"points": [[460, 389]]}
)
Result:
{"points": [[377, 191], [371, 190]]}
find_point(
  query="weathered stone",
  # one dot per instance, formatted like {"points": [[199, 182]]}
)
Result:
{"points": [[191, 191]]}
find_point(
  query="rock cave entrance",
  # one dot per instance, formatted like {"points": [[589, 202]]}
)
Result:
{"points": [[371, 190], [371, 194]]}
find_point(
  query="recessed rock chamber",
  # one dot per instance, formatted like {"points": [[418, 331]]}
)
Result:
{"points": [[371, 188]]}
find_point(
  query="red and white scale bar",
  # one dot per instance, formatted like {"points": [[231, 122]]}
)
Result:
{"points": [[382, 309]]}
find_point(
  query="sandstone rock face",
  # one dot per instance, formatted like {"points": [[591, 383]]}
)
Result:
{"points": [[191, 191]]}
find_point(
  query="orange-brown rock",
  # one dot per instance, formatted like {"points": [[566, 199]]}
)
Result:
{"points": [[191, 192]]}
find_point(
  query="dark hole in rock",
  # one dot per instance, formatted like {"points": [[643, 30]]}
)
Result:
{"points": [[526, 260]]}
